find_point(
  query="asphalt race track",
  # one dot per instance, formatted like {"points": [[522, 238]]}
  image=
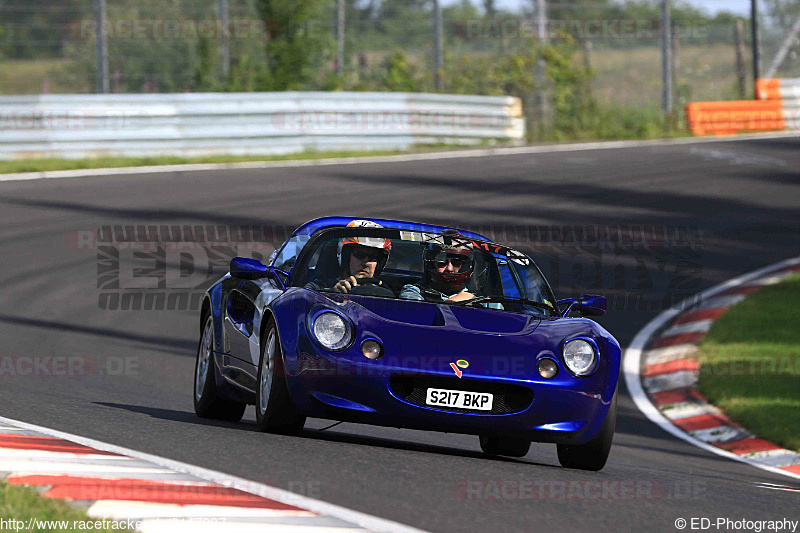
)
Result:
{"points": [[731, 207]]}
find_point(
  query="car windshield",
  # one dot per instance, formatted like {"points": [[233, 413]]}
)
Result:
{"points": [[498, 277]]}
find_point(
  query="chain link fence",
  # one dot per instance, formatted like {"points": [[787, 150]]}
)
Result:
{"points": [[157, 46]]}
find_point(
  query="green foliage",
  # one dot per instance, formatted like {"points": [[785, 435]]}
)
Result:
{"points": [[24, 503], [295, 41], [204, 79], [399, 73]]}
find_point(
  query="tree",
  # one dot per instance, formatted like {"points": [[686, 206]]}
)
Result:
{"points": [[296, 40]]}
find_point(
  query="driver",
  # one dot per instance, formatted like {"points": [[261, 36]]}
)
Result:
{"points": [[358, 257], [448, 268]]}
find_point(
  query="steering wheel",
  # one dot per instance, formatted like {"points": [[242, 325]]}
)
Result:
{"points": [[371, 287]]}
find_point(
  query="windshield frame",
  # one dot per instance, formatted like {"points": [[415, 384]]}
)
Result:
{"points": [[514, 258]]}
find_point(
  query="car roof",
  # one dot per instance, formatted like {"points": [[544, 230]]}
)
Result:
{"points": [[313, 226]]}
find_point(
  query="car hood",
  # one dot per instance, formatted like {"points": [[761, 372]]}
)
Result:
{"points": [[429, 337], [447, 317]]}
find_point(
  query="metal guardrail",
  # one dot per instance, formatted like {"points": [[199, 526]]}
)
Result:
{"points": [[777, 109], [201, 124], [787, 91]]}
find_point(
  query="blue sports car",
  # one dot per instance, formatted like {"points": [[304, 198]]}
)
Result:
{"points": [[409, 325]]}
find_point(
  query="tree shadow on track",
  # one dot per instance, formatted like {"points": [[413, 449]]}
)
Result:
{"points": [[167, 214], [179, 346]]}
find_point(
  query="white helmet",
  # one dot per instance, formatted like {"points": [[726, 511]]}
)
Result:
{"points": [[379, 243]]}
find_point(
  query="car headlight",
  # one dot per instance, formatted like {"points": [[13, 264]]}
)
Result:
{"points": [[331, 331], [580, 357]]}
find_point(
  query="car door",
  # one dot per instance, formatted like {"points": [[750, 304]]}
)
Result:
{"points": [[240, 318]]}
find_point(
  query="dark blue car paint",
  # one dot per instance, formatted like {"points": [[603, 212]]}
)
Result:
{"points": [[424, 338]]}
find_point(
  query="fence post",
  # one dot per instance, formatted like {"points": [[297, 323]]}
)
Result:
{"points": [[339, 37], [102, 46], [756, 44], [542, 107], [226, 49], [438, 63], [738, 31], [666, 52], [676, 62]]}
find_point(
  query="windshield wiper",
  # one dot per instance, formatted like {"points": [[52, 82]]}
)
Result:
{"points": [[502, 299]]}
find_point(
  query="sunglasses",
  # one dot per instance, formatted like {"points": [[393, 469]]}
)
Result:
{"points": [[455, 261], [369, 257]]}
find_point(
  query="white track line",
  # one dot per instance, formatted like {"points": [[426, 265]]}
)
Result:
{"points": [[452, 154], [632, 365], [364, 520]]}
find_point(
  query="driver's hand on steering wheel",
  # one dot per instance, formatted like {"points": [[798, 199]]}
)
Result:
{"points": [[345, 285]]}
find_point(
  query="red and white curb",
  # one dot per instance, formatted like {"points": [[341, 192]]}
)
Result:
{"points": [[159, 495], [661, 371]]}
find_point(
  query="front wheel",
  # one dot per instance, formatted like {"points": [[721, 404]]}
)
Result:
{"points": [[275, 412], [593, 454], [207, 403]]}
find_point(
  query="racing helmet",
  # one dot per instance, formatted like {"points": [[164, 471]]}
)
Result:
{"points": [[348, 244], [454, 248]]}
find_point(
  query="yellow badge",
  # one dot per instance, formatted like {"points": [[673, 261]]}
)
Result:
{"points": [[462, 363]]}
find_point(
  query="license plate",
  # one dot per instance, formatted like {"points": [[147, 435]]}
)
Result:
{"points": [[481, 401]]}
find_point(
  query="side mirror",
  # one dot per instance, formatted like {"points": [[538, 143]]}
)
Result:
{"points": [[246, 268], [592, 305]]}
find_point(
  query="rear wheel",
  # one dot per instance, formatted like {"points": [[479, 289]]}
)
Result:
{"points": [[593, 454], [510, 446], [275, 412], [207, 403]]}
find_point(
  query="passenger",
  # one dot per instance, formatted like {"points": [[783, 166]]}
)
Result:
{"points": [[448, 269], [358, 257]]}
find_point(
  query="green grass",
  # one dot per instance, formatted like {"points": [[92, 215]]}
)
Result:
{"points": [[750, 363], [35, 76], [24, 503], [42, 165]]}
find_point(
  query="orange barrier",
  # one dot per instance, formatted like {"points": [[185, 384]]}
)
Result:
{"points": [[728, 118], [768, 89]]}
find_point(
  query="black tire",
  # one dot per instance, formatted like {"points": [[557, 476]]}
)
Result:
{"points": [[509, 446], [593, 454], [275, 412], [207, 403]]}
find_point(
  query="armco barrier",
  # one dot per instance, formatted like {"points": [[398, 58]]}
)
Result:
{"points": [[786, 91], [777, 109], [199, 124]]}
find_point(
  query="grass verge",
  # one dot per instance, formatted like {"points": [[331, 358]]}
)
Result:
{"points": [[43, 165], [25, 505], [750, 363]]}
